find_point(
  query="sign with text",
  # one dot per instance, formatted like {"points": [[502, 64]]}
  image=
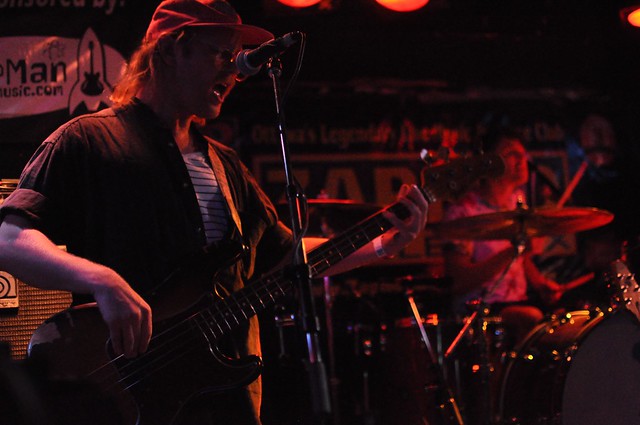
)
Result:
{"points": [[46, 74]]}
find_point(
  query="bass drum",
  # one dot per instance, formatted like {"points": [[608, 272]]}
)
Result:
{"points": [[580, 369]]}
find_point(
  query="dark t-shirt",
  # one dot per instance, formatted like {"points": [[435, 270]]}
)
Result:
{"points": [[113, 188]]}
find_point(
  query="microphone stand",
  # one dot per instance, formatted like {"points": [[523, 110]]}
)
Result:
{"points": [[300, 271]]}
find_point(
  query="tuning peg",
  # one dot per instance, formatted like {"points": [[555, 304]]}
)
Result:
{"points": [[443, 154], [426, 157]]}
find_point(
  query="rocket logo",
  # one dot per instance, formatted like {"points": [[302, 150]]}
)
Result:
{"points": [[91, 88]]}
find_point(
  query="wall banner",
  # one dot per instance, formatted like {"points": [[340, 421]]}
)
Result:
{"points": [[40, 74]]}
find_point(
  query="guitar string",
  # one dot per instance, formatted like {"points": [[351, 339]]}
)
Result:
{"points": [[142, 362], [142, 359], [343, 243], [232, 311], [220, 315], [159, 366], [317, 267], [156, 364], [197, 320], [139, 364], [154, 359], [151, 367]]}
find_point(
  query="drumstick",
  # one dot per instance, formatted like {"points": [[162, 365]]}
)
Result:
{"points": [[572, 184], [579, 281], [552, 298]]}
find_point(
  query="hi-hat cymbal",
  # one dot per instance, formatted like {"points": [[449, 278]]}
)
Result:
{"points": [[328, 217], [523, 223]]}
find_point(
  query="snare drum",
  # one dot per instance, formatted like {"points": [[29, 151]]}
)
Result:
{"points": [[579, 369]]}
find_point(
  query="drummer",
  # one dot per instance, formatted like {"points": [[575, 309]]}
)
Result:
{"points": [[491, 270]]}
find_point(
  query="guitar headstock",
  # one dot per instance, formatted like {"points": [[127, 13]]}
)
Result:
{"points": [[450, 180], [627, 291]]}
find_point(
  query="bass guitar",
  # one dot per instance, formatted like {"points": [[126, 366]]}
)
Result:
{"points": [[183, 359]]}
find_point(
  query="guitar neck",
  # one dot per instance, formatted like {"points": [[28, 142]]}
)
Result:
{"points": [[451, 178], [334, 250], [265, 292]]}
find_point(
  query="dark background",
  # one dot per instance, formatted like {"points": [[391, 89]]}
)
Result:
{"points": [[363, 61], [462, 43], [451, 61], [509, 62]]}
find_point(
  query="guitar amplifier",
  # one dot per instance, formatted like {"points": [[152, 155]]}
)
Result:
{"points": [[23, 308]]}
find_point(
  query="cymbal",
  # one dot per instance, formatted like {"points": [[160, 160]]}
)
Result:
{"points": [[328, 217], [523, 223]]}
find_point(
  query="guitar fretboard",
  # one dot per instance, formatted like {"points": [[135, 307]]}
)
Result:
{"points": [[262, 293], [228, 313]]}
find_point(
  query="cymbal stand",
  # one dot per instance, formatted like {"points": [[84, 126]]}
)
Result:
{"points": [[481, 310], [480, 306], [442, 380]]}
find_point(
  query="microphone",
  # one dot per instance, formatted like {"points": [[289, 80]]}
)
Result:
{"points": [[250, 61]]}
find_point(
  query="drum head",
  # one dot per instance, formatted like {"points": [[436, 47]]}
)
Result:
{"points": [[603, 383]]}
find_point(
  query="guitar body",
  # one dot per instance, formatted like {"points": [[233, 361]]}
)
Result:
{"points": [[181, 363], [183, 359]]}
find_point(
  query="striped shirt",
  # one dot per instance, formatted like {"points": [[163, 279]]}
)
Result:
{"points": [[212, 204]]}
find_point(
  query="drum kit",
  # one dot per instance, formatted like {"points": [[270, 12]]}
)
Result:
{"points": [[575, 368]]}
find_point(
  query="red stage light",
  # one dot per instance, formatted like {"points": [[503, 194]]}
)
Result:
{"points": [[631, 15], [634, 17], [403, 5], [299, 3]]}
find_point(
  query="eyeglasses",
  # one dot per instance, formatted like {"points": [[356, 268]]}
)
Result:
{"points": [[222, 56]]}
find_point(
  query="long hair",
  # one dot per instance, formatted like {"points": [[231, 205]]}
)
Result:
{"points": [[145, 65], [137, 73]]}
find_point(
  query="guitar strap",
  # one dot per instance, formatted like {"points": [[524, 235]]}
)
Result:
{"points": [[221, 176]]}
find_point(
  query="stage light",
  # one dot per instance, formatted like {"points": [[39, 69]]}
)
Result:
{"points": [[299, 3], [631, 15], [634, 18], [403, 5]]}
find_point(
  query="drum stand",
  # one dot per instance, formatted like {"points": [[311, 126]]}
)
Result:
{"points": [[453, 412], [481, 310]]}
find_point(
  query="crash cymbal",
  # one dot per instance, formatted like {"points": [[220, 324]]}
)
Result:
{"points": [[523, 223], [328, 217]]}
